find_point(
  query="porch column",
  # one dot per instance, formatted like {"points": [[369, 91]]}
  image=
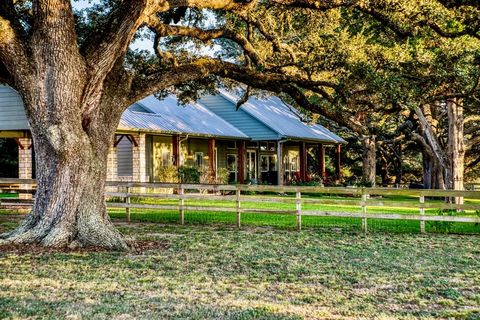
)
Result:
{"points": [[211, 160], [139, 157], [112, 167], [112, 174], [280, 163], [321, 161], [25, 165], [241, 162], [303, 161], [337, 160], [176, 150]]}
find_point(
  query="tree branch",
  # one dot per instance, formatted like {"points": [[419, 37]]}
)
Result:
{"points": [[164, 30]]}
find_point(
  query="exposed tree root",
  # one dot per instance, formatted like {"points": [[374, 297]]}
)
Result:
{"points": [[91, 232]]}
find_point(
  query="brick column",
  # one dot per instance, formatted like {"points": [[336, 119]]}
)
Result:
{"points": [[25, 162], [112, 174]]}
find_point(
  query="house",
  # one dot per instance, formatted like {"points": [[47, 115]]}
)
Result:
{"points": [[210, 135]]}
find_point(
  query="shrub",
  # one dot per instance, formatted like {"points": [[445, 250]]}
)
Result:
{"points": [[189, 174], [168, 174], [223, 175]]}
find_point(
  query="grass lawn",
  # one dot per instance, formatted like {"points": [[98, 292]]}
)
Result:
{"points": [[217, 272], [288, 221]]}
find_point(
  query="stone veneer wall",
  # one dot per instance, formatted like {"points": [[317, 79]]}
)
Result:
{"points": [[25, 163], [139, 158]]}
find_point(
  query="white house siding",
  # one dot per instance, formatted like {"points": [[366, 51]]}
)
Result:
{"points": [[12, 112]]}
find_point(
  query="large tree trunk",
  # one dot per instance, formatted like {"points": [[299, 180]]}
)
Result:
{"points": [[369, 159], [69, 208], [72, 128], [428, 180]]}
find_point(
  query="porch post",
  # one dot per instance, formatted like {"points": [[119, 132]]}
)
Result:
{"points": [[337, 160], [241, 162], [303, 161], [176, 150], [280, 163], [25, 165], [211, 159], [139, 157], [321, 161]]}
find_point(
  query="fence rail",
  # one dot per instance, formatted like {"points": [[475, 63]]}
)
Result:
{"points": [[238, 195]]}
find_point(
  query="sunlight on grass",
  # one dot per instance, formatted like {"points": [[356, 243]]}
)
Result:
{"points": [[254, 273]]}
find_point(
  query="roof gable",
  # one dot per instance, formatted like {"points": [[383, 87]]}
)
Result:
{"points": [[169, 117], [283, 119], [244, 121]]}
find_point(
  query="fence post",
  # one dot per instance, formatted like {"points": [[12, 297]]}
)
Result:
{"points": [[298, 205], [364, 211], [238, 193], [127, 201], [181, 205], [422, 213]]}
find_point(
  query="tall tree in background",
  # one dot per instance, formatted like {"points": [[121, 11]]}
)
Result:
{"points": [[76, 76]]}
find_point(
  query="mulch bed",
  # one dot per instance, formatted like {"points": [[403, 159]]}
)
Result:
{"points": [[137, 247]]}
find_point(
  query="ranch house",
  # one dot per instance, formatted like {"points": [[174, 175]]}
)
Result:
{"points": [[264, 141]]}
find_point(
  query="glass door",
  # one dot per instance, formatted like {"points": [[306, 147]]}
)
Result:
{"points": [[251, 165]]}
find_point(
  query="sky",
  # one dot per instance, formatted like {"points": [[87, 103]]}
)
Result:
{"points": [[139, 44]]}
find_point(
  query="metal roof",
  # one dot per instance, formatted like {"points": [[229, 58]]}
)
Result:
{"points": [[167, 116], [283, 118]]}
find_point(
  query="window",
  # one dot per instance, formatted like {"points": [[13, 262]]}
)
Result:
{"points": [[166, 159], [263, 146], [199, 159], [268, 163], [272, 162], [232, 167], [264, 163], [124, 158]]}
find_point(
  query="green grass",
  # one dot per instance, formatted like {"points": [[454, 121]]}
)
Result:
{"points": [[289, 222], [8, 195], [218, 272]]}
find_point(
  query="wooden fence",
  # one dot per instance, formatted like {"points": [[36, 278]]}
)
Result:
{"points": [[364, 198]]}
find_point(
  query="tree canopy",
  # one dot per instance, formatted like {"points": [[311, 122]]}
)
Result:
{"points": [[389, 71]]}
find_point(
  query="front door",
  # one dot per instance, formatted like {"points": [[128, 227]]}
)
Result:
{"points": [[251, 165]]}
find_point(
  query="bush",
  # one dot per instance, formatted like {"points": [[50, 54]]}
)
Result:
{"points": [[223, 175], [189, 174], [168, 174]]}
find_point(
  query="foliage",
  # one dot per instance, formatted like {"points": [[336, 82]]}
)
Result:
{"points": [[168, 174], [223, 175], [189, 174]]}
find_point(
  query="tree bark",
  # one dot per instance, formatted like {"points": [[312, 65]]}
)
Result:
{"points": [[427, 171], [69, 207], [369, 159], [456, 146]]}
